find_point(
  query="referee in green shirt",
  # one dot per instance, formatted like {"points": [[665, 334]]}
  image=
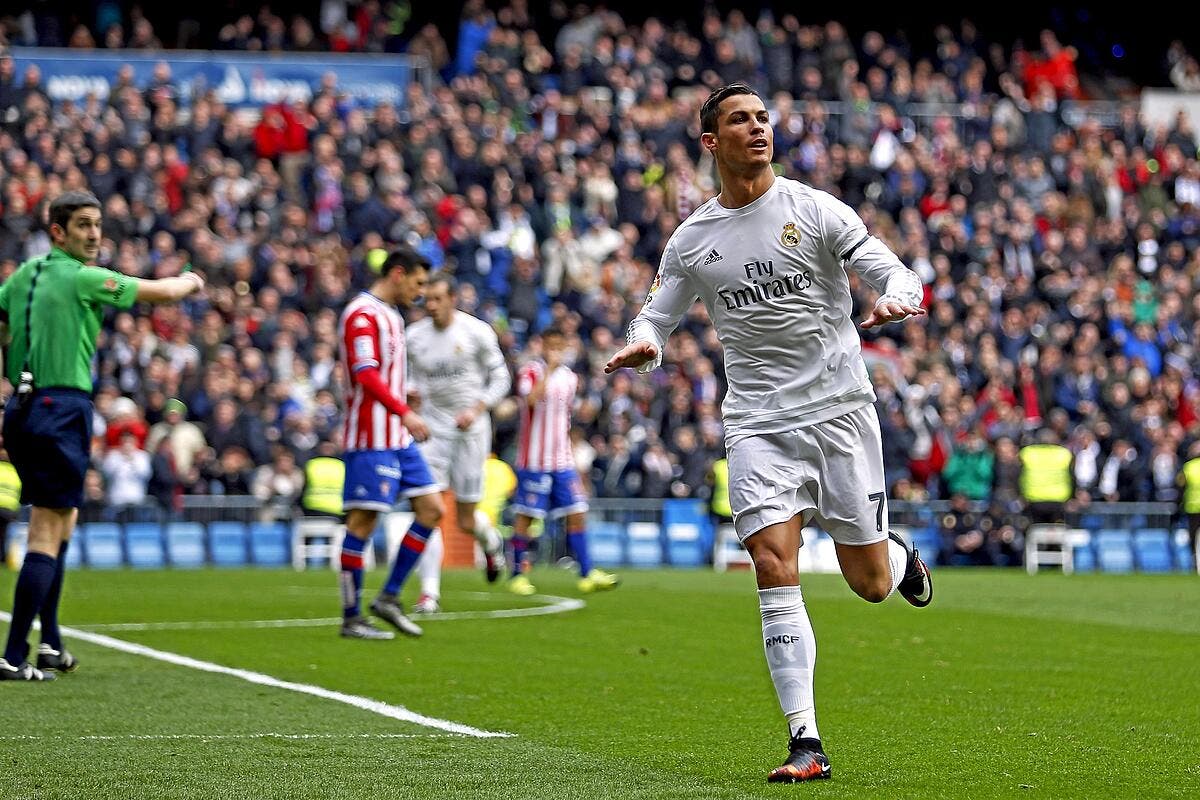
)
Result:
{"points": [[53, 306]]}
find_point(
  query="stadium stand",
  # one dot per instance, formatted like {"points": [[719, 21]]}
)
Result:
{"points": [[545, 161]]}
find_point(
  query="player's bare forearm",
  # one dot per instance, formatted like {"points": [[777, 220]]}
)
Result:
{"points": [[633, 355]]}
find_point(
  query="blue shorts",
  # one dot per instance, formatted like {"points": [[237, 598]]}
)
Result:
{"points": [[49, 440], [556, 493], [376, 479]]}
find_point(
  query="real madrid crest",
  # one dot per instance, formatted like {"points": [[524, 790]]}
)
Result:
{"points": [[790, 236]]}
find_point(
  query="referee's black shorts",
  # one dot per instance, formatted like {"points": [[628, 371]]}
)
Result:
{"points": [[49, 441]]}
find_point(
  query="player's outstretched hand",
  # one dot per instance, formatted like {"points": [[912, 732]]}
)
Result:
{"points": [[416, 426], [631, 355], [884, 313]]}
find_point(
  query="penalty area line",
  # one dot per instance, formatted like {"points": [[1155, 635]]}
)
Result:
{"points": [[364, 703]]}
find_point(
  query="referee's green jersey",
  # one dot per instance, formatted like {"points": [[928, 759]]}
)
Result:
{"points": [[58, 303]]}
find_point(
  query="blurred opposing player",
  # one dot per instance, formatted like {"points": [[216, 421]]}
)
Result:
{"points": [[458, 371], [547, 482], [769, 259], [382, 460]]}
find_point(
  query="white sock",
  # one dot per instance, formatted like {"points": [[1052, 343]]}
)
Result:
{"points": [[486, 534], [898, 560], [791, 651], [429, 568]]}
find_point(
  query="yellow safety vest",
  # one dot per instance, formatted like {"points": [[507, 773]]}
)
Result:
{"points": [[720, 495], [1191, 487], [324, 478], [10, 487], [1046, 473], [499, 481]]}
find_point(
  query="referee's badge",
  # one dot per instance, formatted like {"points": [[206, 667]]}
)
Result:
{"points": [[790, 236]]}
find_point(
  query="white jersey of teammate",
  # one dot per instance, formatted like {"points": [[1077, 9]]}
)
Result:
{"points": [[772, 275], [456, 368], [453, 370]]}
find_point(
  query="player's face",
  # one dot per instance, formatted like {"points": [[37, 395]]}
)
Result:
{"points": [[744, 137], [81, 237], [440, 304], [412, 286], [553, 348]]}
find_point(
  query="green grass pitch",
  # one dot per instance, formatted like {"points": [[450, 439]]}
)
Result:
{"points": [[1007, 686]]}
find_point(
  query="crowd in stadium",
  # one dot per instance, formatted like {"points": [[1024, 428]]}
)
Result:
{"points": [[546, 167]]}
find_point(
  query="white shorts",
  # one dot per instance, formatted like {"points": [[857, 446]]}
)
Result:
{"points": [[831, 472], [456, 459]]}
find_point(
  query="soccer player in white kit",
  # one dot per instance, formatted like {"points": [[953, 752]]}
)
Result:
{"points": [[459, 374], [768, 257]]}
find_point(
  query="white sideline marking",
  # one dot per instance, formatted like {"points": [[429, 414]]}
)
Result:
{"points": [[208, 736], [364, 703], [555, 605]]}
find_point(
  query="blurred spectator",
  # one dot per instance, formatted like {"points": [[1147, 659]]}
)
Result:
{"points": [[127, 471], [185, 438], [278, 485], [968, 471]]}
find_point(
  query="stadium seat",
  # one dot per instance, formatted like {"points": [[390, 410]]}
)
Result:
{"points": [[102, 545], [270, 544], [75, 551], [148, 512], [606, 543], [727, 550], [1057, 545], [1152, 550], [1083, 557], [227, 543], [929, 542], [316, 540], [1185, 559], [686, 523], [643, 544], [18, 541], [684, 548], [185, 544], [144, 545], [1114, 550]]}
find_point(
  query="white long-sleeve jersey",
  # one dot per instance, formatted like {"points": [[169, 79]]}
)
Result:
{"points": [[773, 277], [455, 368]]}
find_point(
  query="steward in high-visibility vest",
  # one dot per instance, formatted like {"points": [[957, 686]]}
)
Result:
{"points": [[10, 490], [720, 489], [324, 477], [499, 482], [1190, 478], [10, 505], [1191, 486], [1046, 473]]}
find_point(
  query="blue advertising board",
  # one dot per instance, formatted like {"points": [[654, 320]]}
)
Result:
{"points": [[239, 80]]}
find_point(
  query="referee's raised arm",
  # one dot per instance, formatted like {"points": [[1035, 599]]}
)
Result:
{"points": [[54, 305]]}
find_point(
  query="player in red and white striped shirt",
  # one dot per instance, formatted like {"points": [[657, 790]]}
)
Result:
{"points": [[546, 478], [382, 461]]}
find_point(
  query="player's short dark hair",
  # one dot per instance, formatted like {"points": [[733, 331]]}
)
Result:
{"points": [[708, 111], [67, 203], [405, 258], [447, 280]]}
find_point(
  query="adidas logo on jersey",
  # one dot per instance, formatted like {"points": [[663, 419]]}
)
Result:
{"points": [[712, 257]]}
